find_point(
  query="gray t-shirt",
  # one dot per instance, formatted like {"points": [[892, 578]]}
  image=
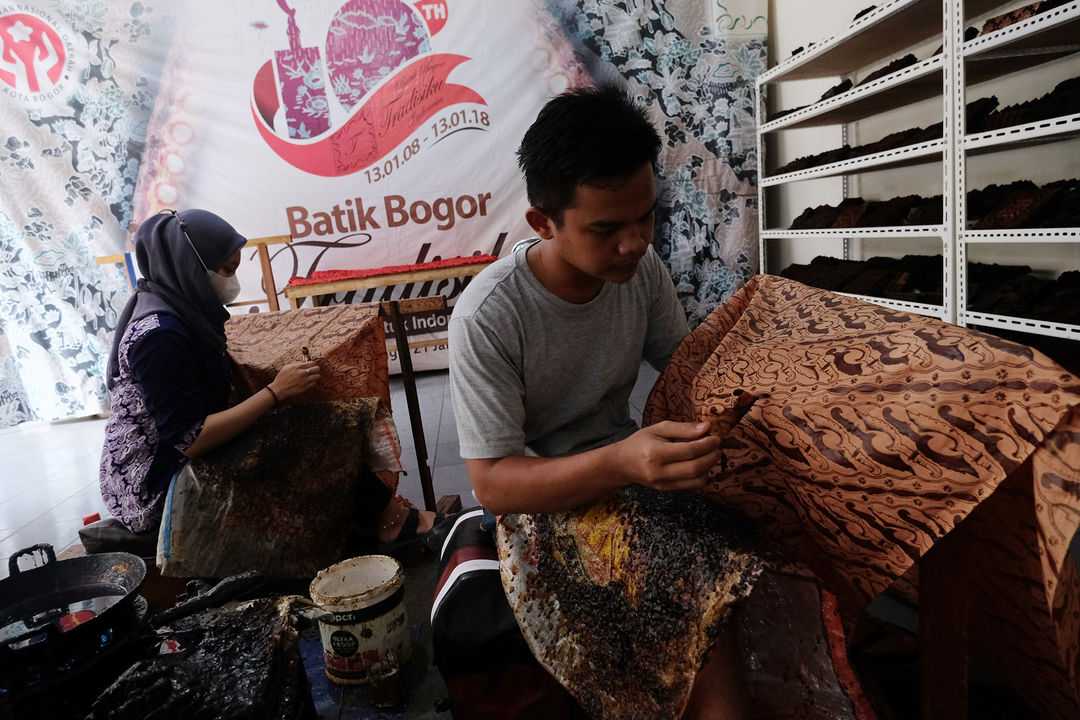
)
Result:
{"points": [[531, 373]]}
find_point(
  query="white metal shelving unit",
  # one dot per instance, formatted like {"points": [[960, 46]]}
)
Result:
{"points": [[879, 37], [875, 39], [1020, 47]]}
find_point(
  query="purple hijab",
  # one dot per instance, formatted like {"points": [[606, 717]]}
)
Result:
{"points": [[173, 280]]}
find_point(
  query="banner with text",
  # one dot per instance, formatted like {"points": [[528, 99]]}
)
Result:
{"points": [[373, 132]]}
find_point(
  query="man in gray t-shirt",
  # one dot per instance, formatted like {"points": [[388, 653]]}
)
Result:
{"points": [[545, 345]]}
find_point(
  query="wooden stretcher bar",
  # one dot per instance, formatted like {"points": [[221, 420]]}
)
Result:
{"points": [[264, 262]]}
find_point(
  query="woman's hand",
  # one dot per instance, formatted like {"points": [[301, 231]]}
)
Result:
{"points": [[295, 379], [291, 382]]}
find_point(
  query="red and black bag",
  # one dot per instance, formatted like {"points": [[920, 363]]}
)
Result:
{"points": [[487, 666]]}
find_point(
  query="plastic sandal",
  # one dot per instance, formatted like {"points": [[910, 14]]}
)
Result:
{"points": [[406, 538]]}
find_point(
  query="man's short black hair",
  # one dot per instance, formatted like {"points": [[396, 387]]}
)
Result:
{"points": [[585, 136]]}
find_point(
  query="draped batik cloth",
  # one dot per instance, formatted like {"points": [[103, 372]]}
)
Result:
{"points": [[622, 599], [279, 498], [348, 342], [875, 433]]}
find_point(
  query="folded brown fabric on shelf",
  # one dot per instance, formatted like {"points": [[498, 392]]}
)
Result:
{"points": [[890, 141], [977, 112], [894, 66], [875, 276], [1020, 14], [825, 272], [913, 278], [969, 34], [781, 113], [864, 11], [850, 214], [1066, 212], [823, 216], [1048, 5], [928, 211], [1010, 18], [982, 201], [1063, 100], [1026, 206], [888, 213], [856, 212], [841, 87]]}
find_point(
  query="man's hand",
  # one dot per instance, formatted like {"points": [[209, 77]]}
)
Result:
{"points": [[668, 455], [665, 456]]}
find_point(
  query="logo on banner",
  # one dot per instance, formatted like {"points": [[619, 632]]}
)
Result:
{"points": [[375, 69], [33, 55]]}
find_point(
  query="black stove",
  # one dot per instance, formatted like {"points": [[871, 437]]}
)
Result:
{"points": [[61, 680]]}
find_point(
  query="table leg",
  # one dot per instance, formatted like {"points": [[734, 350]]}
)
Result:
{"points": [[409, 380]]}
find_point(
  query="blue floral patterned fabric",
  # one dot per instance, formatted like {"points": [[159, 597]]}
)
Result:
{"points": [[695, 66], [71, 142]]}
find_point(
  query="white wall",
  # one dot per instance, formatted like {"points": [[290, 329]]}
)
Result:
{"points": [[799, 22]]}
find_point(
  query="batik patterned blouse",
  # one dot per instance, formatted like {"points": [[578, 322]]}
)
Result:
{"points": [[168, 384]]}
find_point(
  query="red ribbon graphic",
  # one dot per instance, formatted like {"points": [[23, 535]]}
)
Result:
{"points": [[376, 126]]}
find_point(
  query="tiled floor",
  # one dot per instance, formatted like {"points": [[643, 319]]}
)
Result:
{"points": [[49, 480]]}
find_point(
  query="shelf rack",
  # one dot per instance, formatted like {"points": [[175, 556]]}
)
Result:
{"points": [[913, 83], [898, 157], [878, 37], [1059, 128], [896, 231], [1023, 45], [1019, 47], [1054, 32], [885, 31]]}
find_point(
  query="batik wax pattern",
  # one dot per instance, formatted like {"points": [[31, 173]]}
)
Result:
{"points": [[622, 599], [348, 342], [280, 498], [875, 433]]}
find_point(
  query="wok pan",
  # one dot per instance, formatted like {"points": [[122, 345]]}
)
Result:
{"points": [[63, 602]]}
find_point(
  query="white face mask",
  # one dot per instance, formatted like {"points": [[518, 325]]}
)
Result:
{"points": [[226, 288]]}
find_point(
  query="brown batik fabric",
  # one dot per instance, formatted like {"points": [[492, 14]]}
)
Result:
{"points": [[280, 498], [622, 600], [875, 433], [348, 342]]}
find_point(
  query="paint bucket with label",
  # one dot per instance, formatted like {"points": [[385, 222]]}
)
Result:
{"points": [[365, 632]]}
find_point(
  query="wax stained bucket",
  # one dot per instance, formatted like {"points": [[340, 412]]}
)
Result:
{"points": [[366, 631]]}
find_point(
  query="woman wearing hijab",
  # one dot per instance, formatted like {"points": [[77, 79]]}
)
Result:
{"points": [[169, 374]]}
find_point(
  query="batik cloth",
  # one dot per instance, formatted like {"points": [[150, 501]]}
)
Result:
{"points": [[875, 433], [348, 342], [621, 600], [280, 498]]}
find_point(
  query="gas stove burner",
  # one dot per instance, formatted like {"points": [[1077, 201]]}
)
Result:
{"points": [[63, 682], [66, 616]]}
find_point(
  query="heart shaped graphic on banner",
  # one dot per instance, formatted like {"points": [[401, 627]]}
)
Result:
{"points": [[368, 40]]}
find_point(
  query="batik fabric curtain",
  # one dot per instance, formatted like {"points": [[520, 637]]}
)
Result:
{"points": [[694, 66]]}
